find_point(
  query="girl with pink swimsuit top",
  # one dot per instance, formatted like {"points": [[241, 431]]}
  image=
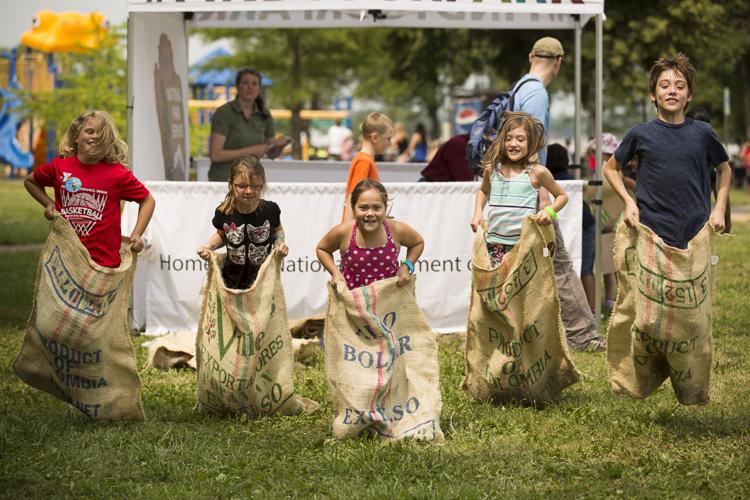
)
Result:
{"points": [[369, 248], [362, 266]]}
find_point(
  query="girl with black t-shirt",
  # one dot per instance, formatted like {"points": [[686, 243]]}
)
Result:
{"points": [[247, 224]]}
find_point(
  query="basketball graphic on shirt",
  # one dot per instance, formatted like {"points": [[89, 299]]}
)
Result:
{"points": [[83, 208]]}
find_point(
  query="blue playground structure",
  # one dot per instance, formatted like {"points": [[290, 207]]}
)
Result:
{"points": [[10, 150]]}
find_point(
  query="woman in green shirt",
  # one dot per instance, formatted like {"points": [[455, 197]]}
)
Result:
{"points": [[242, 127]]}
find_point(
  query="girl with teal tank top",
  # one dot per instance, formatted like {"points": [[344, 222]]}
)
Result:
{"points": [[511, 182]]}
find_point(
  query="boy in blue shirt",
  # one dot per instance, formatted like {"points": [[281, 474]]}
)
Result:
{"points": [[674, 186]]}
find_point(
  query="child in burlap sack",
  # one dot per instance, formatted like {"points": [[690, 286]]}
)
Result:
{"points": [[247, 224], [674, 204], [381, 355], [515, 348], [77, 345], [90, 180], [510, 183]]}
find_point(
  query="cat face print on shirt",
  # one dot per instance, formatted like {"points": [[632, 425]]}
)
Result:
{"points": [[259, 234], [234, 234]]}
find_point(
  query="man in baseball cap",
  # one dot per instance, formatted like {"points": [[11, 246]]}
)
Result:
{"points": [[548, 47]]}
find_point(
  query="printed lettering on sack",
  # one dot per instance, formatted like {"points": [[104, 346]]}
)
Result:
{"points": [[498, 297], [72, 293], [680, 294]]}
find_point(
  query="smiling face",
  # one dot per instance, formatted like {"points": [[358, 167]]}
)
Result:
{"points": [[369, 210], [248, 88], [516, 145], [87, 138], [672, 94]]}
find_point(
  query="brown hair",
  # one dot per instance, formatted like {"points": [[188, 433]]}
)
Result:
{"points": [[245, 168], [109, 148], [511, 120], [260, 100], [366, 185], [680, 63], [375, 123]]}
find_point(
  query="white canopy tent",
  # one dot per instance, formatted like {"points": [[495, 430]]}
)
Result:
{"points": [[157, 71]]}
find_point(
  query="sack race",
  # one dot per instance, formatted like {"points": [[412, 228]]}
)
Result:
{"points": [[244, 354], [77, 345], [515, 341], [661, 323], [381, 363]]}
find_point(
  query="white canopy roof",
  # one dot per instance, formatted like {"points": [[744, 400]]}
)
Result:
{"points": [[476, 14]]}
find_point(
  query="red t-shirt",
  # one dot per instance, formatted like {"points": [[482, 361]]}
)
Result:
{"points": [[89, 198]]}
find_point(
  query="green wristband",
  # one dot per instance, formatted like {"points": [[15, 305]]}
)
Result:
{"points": [[551, 212]]}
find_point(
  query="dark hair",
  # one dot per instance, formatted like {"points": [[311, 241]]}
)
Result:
{"points": [[700, 114], [419, 129], [260, 101], [557, 158], [366, 185], [680, 63]]}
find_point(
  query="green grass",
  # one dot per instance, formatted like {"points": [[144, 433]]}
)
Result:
{"points": [[22, 220], [589, 443], [739, 197]]}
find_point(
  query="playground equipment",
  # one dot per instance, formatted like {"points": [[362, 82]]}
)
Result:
{"points": [[65, 32], [10, 149]]}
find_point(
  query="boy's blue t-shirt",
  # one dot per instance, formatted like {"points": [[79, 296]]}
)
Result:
{"points": [[673, 187]]}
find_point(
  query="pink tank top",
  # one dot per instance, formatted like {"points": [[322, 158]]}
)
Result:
{"points": [[362, 266]]}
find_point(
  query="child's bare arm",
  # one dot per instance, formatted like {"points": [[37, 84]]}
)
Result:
{"points": [[145, 211], [548, 183], [324, 251], [279, 241], [723, 179], [479, 203], [37, 192], [612, 170], [414, 243], [215, 241]]}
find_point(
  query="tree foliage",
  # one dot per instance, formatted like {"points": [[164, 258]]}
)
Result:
{"points": [[96, 80]]}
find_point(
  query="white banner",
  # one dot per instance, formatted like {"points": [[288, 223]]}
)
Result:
{"points": [[170, 274]]}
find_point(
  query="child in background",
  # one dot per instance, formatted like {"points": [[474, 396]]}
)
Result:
{"points": [[370, 245], [247, 224], [375, 133], [674, 155], [90, 179], [511, 181]]}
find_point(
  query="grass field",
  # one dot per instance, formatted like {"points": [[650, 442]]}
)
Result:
{"points": [[589, 443]]}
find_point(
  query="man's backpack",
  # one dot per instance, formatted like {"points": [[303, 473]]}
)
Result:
{"points": [[486, 127]]}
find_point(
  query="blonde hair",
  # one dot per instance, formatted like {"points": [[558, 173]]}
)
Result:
{"points": [[534, 133], [245, 168], [375, 123], [109, 148]]}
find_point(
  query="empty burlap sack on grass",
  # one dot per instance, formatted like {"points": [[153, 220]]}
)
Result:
{"points": [[381, 363], [515, 343], [244, 349], [661, 323], [77, 345], [173, 350]]}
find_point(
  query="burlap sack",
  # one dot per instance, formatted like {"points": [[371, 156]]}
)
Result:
{"points": [[77, 345], [243, 347], [173, 350], [515, 343], [661, 323], [381, 363]]}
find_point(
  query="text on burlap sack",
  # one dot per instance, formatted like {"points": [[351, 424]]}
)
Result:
{"points": [[681, 294], [72, 293], [498, 297]]}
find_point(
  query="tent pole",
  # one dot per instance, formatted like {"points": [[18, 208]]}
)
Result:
{"points": [[598, 171], [131, 72], [577, 116]]}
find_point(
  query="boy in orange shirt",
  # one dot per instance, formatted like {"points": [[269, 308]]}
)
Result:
{"points": [[375, 132]]}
